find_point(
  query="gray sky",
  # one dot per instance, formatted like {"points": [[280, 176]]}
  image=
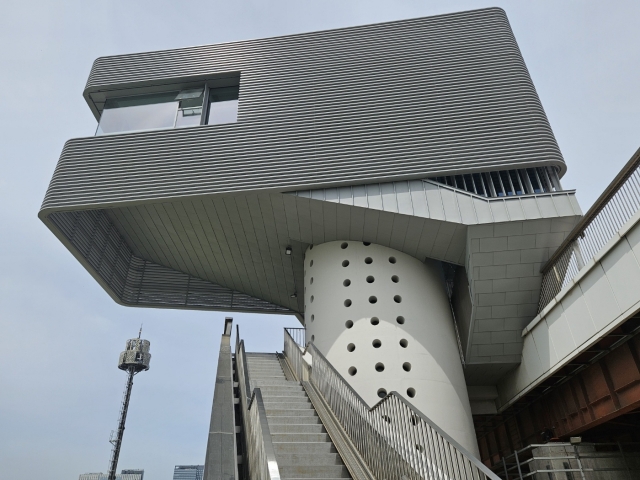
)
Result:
{"points": [[60, 334]]}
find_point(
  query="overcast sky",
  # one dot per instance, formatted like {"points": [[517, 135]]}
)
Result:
{"points": [[60, 334]]}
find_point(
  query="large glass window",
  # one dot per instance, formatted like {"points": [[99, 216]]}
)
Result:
{"points": [[175, 109], [223, 105], [150, 112]]}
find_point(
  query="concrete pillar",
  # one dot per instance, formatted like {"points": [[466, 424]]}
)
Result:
{"points": [[383, 319]]}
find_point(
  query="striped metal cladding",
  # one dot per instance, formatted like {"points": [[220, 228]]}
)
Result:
{"points": [[133, 281], [393, 101]]}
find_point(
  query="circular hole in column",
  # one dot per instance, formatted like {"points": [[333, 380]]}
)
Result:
{"points": [[311, 281], [346, 283], [395, 279], [345, 263], [311, 264], [351, 347], [411, 392], [353, 371], [347, 303], [368, 260], [313, 337], [370, 279], [382, 393], [311, 298], [366, 244], [404, 343], [379, 367], [400, 320], [374, 320], [373, 299], [313, 317], [406, 366], [392, 259], [397, 298], [348, 323], [344, 245], [376, 343]]}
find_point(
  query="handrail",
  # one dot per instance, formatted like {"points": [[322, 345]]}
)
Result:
{"points": [[618, 203], [298, 334], [260, 452], [394, 438]]}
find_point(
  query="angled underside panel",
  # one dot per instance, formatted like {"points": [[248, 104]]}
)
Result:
{"points": [[435, 201], [133, 281]]}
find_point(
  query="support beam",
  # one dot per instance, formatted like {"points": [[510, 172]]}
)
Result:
{"points": [[221, 458]]}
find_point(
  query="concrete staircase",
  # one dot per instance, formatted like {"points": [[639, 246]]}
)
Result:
{"points": [[303, 447]]}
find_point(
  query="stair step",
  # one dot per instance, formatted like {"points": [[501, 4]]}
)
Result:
{"points": [[295, 428], [314, 471], [286, 459], [284, 391], [287, 412], [300, 437], [285, 405], [299, 420], [274, 399], [258, 382], [306, 448], [290, 386]]}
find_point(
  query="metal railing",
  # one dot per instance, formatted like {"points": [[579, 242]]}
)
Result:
{"points": [[298, 335], [615, 207], [394, 439], [260, 452], [584, 461], [294, 351]]}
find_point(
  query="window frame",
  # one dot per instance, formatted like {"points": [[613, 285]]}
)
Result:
{"points": [[97, 99]]}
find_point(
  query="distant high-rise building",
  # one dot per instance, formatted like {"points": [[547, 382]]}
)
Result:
{"points": [[127, 474], [188, 472]]}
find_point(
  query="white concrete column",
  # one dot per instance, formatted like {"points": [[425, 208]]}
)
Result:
{"points": [[382, 318]]}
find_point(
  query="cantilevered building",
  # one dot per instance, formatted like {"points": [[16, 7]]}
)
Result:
{"points": [[396, 187]]}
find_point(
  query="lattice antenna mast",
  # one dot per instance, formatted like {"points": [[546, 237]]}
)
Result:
{"points": [[133, 360]]}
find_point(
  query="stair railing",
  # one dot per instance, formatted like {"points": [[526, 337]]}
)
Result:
{"points": [[260, 452], [395, 439]]}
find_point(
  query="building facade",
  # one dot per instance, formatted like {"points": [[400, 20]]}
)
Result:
{"points": [[188, 472], [396, 187], [125, 474]]}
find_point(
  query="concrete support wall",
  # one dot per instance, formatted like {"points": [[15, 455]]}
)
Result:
{"points": [[221, 457], [382, 318]]}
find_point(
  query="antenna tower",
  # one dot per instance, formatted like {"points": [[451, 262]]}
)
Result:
{"points": [[133, 360]]}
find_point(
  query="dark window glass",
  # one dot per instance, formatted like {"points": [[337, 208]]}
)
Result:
{"points": [[497, 184], [223, 105], [150, 112], [516, 182], [534, 180], [504, 176], [479, 185]]}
